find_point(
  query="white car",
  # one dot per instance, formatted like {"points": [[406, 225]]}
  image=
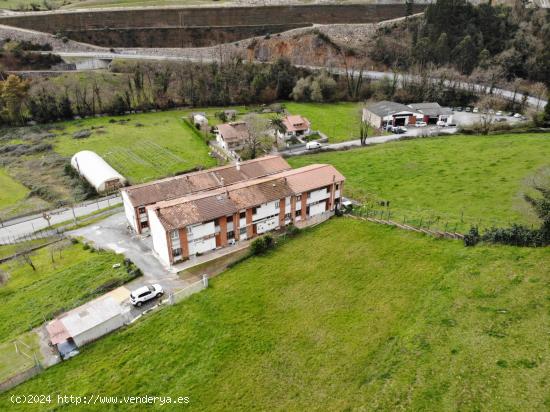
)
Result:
{"points": [[476, 110], [313, 145], [441, 123], [145, 293], [420, 124], [499, 113], [517, 116]]}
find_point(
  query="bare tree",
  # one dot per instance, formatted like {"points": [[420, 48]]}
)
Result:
{"points": [[487, 118], [25, 255], [259, 140]]}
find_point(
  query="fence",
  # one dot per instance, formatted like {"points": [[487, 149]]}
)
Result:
{"points": [[42, 234], [188, 291], [424, 221]]}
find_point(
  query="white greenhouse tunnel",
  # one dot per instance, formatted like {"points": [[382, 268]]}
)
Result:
{"points": [[97, 171]]}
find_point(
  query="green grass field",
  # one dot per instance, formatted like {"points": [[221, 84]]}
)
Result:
{"points": [[349, 315], [339, 121], [29, 297], [147, 146], [482, 178], [12, 192], [12, 362]]}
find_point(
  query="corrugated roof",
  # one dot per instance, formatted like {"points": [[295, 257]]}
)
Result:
{"points": [[386, 108], [431, 109], [178, 186], [209, 205]]}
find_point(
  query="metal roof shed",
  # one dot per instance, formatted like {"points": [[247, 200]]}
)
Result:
{"points": [[97, 171]]}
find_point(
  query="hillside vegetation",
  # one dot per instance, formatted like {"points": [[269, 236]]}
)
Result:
{"points": [[347, 314], [475, 179]]}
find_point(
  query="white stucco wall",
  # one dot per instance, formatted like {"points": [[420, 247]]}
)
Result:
{"points": [[201, 230], [318, 195], [265, 210], [159, 236], [129, 211], [317, 209]]}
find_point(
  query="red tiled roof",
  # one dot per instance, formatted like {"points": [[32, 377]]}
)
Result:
{"points": [[178, 186], [294, 123], [209, 205], [233, 132]]}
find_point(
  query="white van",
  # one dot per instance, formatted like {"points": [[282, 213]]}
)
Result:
{"points": [[313, 145]]}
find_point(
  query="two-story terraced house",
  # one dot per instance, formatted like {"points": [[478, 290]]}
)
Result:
{"points": [[136, 198], [204, 221]]}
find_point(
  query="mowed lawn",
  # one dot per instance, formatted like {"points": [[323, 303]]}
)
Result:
{"points": [[339, 121], [349, 315], [29, 297], [142, 146], [481, 178]]}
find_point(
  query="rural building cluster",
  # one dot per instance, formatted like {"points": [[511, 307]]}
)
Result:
{"points": [[386, 113], [198, 212]]}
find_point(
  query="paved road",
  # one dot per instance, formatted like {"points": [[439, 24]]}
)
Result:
{"points": [[376, 75], [411, 132], [16, 228]]}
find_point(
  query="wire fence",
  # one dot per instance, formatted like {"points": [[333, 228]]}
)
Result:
{"points": [[426, 219]]}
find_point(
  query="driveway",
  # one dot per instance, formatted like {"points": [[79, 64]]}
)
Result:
{"points": [[113, 234]]}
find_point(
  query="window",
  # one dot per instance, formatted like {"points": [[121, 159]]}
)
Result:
{"points": [[174, 234], [242, 215], [242, 231], [230, 219], [337, 186], [141, 210], [308, 195], [144, 224], [277, 205], [287, 216], [299, 198], [176, 252], [254, 210], [231, 235]]}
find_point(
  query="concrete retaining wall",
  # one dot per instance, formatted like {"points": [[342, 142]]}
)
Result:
{"points": [[177, 27]]}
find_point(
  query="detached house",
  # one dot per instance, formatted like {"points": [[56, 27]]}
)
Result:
{"points": [[201, 222], [295, 126], [232, 136], [136, 198]]}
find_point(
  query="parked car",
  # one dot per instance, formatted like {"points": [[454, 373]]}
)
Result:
{"points": [[420, 124], [399, 130], [145, 293], [441, 123], [468, 109], [458, 109], [313, 145], [499, 113], [476, 110], [517, 116]]}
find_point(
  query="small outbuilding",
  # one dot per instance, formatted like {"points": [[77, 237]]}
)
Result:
{"points": [[200, 120], [97, 171], [88, 322]]}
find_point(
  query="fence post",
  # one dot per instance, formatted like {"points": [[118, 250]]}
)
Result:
{"points": [[205, 280]]}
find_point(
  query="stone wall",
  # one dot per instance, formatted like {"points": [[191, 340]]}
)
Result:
{"points": [[195, 27]]}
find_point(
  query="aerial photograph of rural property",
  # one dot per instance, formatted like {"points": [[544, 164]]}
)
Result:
{"points": [[275, 205]]}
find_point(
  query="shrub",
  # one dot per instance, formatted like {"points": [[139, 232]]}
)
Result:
{"points": [[262, 245], [472, 238], [292, 231]]}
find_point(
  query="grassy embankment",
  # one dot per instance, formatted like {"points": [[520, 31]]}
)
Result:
{"points": [[474, 179], [347, 314]]}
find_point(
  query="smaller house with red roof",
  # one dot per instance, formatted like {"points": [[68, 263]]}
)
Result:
{"points": [[295, 126]]}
